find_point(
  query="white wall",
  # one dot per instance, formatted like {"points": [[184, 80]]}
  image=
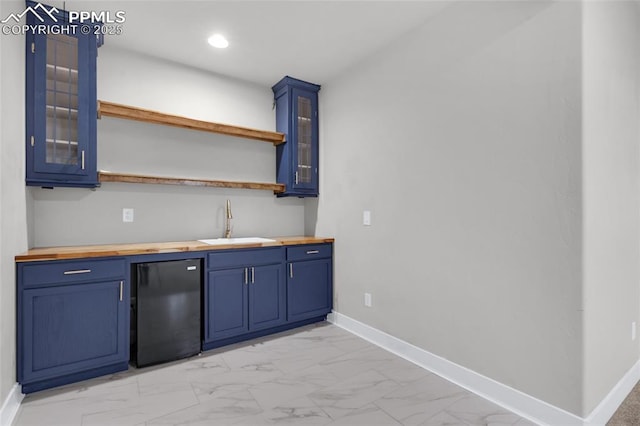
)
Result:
{"points": [[611, 193], [168, 213], [464, 140], [13, 225]]}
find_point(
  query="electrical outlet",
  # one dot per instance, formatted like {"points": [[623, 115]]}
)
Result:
{"points": [[367, 300], [127, 215], [633, 330], [366, 218]]}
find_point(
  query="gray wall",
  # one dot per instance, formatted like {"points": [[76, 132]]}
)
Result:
{"points": [[13, 201], [168, 213], [611, 178], [463, 138]]}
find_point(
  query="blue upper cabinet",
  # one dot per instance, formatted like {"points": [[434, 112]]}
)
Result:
{"points": [[297, 117], [61, 101]]}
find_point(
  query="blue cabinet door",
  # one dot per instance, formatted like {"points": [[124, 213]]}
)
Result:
{"points": [[61, 104], [304, 131], [245, 291], [297, 117], [267, 298], [73, 328], [309, 289], [226, 303]]}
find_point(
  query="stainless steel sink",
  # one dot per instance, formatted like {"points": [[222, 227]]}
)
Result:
{"points": [[241, 240]]}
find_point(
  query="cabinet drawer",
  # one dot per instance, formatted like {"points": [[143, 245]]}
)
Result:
{"points": [[308, 252], [224, 259], [71, 272]]}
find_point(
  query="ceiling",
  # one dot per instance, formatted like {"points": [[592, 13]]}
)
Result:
{"points": [[310, 40]]}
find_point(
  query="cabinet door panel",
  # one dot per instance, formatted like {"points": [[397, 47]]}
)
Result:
{"points": [[267, 297], [309, 289], [305, 136], [226, 301], [61, 132], [73, 328]]}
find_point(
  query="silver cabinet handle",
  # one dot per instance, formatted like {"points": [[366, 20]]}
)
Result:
{"points": [[246, 275], [121, 289], [313, 251], [82, 159], [291, 270], [78, 271], [296, 178], [253, 275]]}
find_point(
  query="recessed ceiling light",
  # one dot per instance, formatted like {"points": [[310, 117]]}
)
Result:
{"points": [[218, 40]]}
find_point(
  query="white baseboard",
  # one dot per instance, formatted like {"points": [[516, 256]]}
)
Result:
{"points": [[10, 406], [603, 412], [513, 400]]}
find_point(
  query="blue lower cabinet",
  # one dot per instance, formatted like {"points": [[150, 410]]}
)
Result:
{"points": [[309, 289], [226, 304], [249, 297], [309, 281], [267, 299], [73, 327], [73, 316], [72, 330]]}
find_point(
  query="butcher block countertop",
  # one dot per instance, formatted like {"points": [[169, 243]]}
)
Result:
{"points": [[105, 250]]}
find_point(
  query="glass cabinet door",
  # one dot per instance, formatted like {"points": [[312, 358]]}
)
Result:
{"points": [[60, 135], [306, 133], [304, 141], [62, 100]]}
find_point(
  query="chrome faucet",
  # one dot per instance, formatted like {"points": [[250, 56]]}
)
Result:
{"points": [[228, 216]]}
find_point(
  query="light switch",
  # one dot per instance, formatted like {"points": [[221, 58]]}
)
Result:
{"points": [[367, 300], [366, 218], [127, 215]]}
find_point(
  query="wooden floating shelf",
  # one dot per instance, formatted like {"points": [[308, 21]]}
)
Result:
{"points": [[162, 180], [110, 109]]}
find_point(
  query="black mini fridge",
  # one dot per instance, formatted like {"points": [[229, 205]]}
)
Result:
{"points": [[165, 311]]}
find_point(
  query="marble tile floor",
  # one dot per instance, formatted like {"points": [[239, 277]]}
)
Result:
{"points": [[315, 375]]}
